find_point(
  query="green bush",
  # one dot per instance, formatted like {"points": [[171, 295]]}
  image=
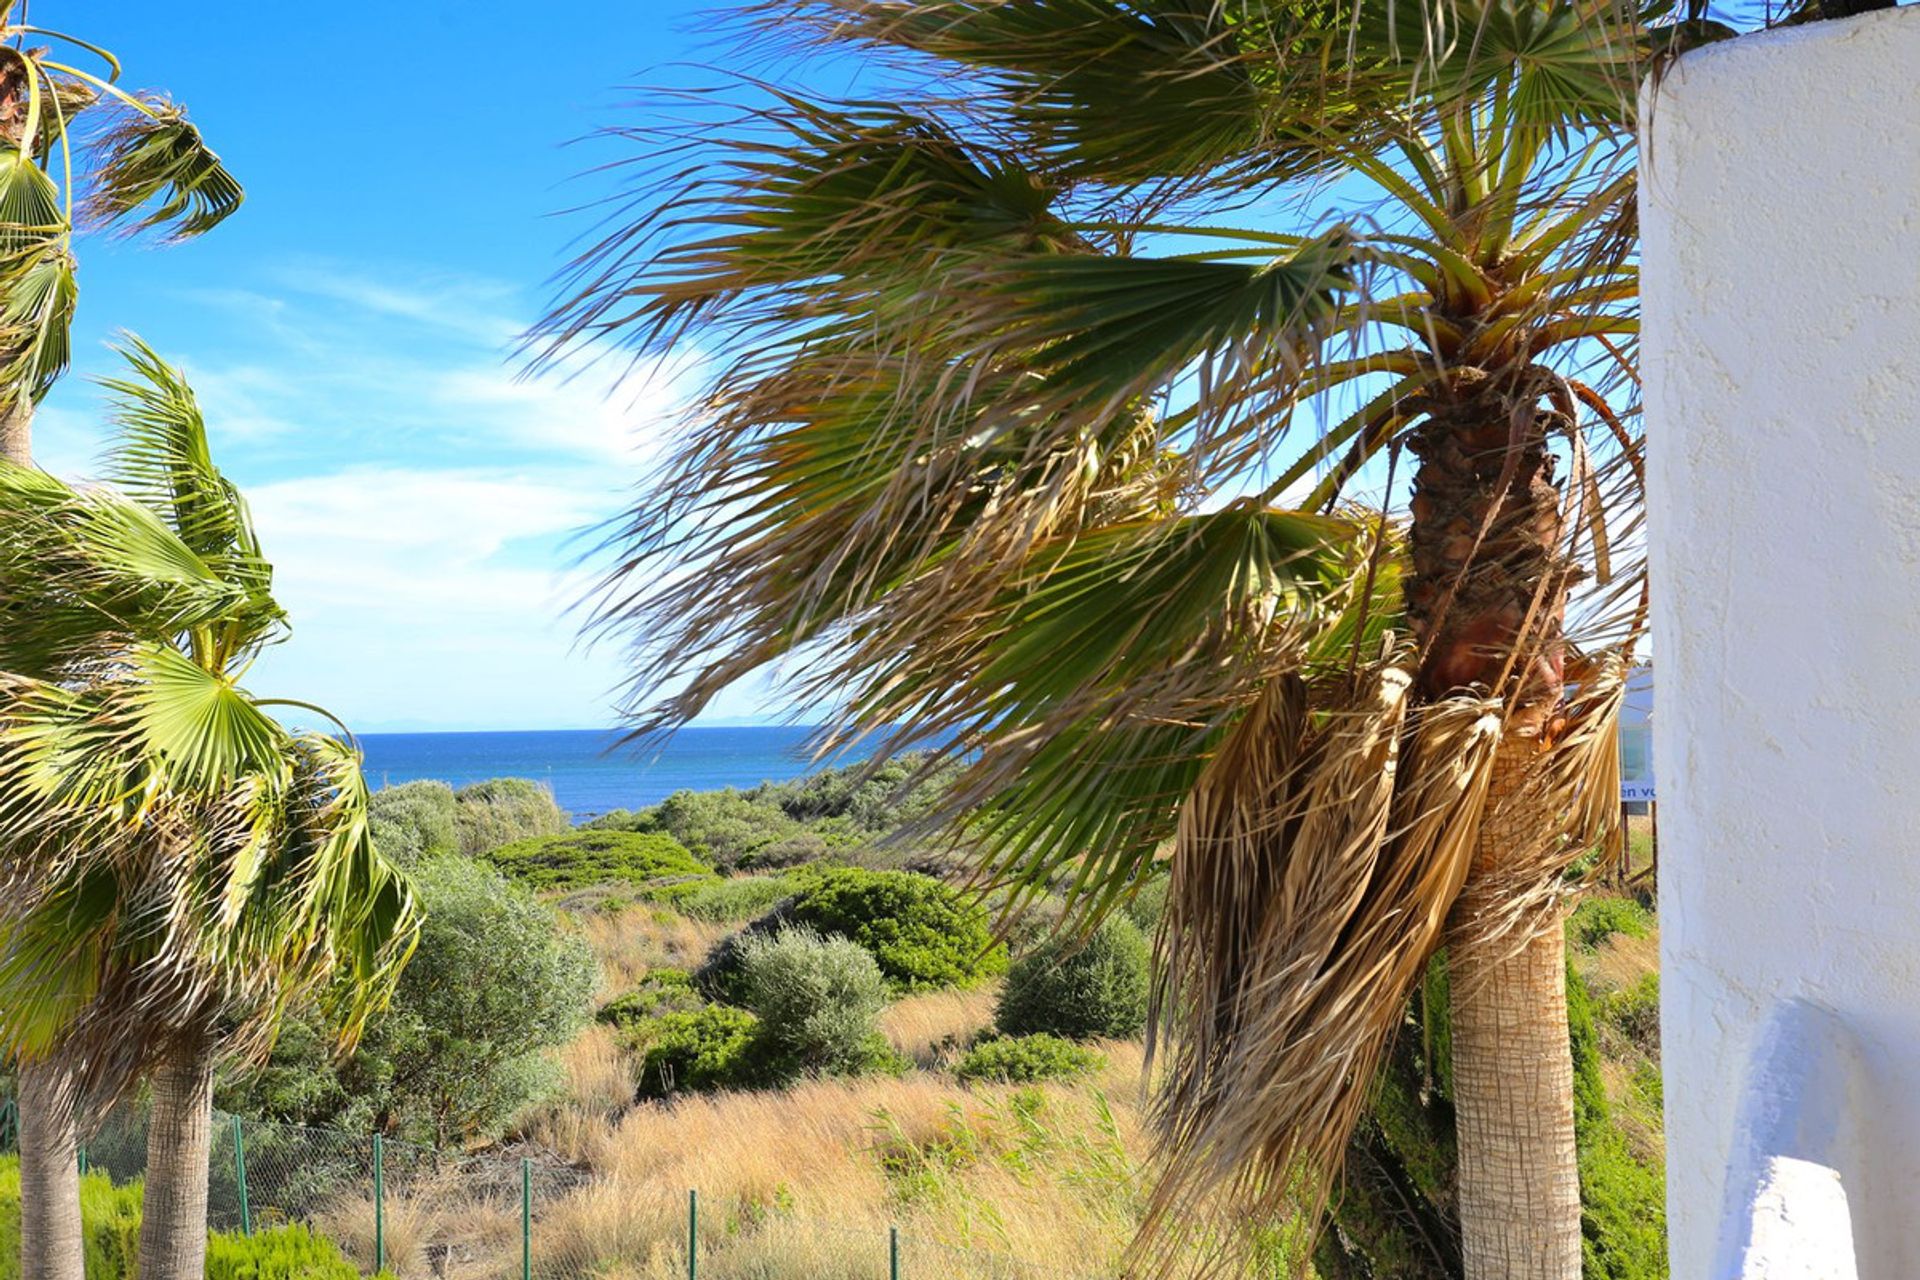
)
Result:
{"points": [[1596, 919], [110, 1218], [726, 828], [1026, 1059], [494, 983], [501, 810], [919, 930], [1078, 989], [661, 992], [740, 898], [862, 800], [415, 820], [710, 1048], [282, 1253], [816, 999], [648, 860]]}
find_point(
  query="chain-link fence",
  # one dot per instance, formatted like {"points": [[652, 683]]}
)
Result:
{"points": [[422, 1214]]}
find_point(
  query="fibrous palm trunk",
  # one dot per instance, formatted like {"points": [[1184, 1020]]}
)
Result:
{"points": [[1519, 1188], [51, 1244], [51, 1247], [173, 1221], [1486, 601]]}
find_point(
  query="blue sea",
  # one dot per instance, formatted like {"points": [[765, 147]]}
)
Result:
{"points": [[589, 770]]}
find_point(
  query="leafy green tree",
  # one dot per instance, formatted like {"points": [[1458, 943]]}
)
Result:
{"points": [[181, 867], [1036, 450], [145, 168], [493, 984]]}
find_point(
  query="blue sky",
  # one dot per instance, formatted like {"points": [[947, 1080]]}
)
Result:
{"points": [[349, 333]]}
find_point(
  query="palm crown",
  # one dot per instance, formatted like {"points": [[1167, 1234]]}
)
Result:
{"points": [[175, 853]]}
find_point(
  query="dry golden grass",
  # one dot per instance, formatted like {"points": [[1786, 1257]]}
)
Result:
{"points": [[930, 1028], [599, 1086], [1622, 960], [631, 941], [432, 1229], [804, 1183]]}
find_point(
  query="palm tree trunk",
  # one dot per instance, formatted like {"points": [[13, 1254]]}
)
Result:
{"points": [[51, 1244], [16, 434], [1519, 1188], [173, 1222], [1486, 601]]}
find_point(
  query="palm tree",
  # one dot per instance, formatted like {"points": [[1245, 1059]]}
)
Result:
{"points": [[146, 169], [1005, 480], [183, 866]]}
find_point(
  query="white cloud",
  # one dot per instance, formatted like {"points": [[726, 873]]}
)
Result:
{"points": [[432, 597]]}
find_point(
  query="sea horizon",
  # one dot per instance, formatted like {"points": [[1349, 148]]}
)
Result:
{"points": [[594, 771]]}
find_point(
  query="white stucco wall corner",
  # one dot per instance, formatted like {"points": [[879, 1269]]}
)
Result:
{"points": [[1798, 1129], [1780, 210]]}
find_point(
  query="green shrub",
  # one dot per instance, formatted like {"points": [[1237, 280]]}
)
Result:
{"points": [[494, 983], [109, 1215], [919, 930], [282, 1253], [862, 800], [501, 810], [648, 860], [1080, 990], [710, 1048], [1026, 1059], [816, 999], [661, 992], [1596, 919], [725, 828], [740, 898], [415, 820]]}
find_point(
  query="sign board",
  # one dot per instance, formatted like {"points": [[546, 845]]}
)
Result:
{"points": [[1636, 790]]}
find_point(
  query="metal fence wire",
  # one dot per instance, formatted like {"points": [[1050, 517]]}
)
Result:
{"points": [[416, 1213]]}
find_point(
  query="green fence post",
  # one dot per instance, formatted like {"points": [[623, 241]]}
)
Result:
{"points": [[526, 1219], [379, 1209], [693, 1234], [83, 1161], [893, 1252], [240, 1176]]}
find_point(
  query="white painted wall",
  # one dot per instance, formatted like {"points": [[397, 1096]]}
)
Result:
{"points": [[1781, 210]]}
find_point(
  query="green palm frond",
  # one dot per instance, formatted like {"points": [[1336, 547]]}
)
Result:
{"points": [[37, 300], [1108, 91], [182, 854], [200, 728], [163, 459], [153, 171]]}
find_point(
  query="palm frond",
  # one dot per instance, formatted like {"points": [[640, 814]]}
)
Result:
{"points": [[1316, 863], [37, 300], [153, 171], [162, 459]]}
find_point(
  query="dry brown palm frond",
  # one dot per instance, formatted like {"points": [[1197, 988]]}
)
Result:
{"points": [[1576, 778], [1328, 845]]}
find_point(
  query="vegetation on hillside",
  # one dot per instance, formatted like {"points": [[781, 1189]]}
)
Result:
{"points": [[964, 1111]]}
